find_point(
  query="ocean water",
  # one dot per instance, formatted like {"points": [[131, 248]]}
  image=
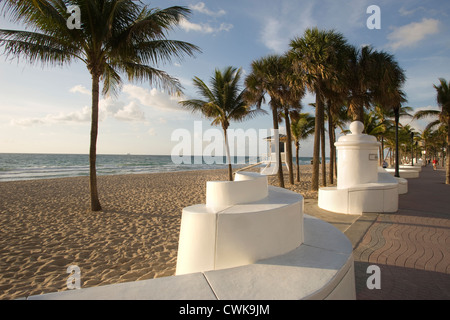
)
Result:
{"points": [[25, 166]]}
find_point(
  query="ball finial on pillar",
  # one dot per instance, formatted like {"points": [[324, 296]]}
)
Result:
{"points": [[357, 127]]}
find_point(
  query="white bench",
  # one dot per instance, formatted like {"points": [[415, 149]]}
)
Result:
{"points": [[243, 221], [405, 172], [380, 196]]}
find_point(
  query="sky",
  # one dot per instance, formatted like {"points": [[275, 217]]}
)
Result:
{"points": [[47, 110]]}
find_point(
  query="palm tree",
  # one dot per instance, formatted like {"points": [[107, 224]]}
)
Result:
{"points": [[267, 77], [385, 125], [338, 117], [387, 90], [290, 92], [116, 36], [317, 53], [376, 126], [406, 137], [359, 79], [302, 126], [443, 100], [223, 102]]}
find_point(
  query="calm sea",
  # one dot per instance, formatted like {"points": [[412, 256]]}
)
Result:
{"points": [[25, 166]]}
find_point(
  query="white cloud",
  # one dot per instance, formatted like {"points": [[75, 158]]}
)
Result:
{"points": [[108, 107], [201, 7], [27, 122], [283, 20], [130, 112], [204, 27], [81, 89], [405, 12], [280, 27], [152, 98], [411, 34], [80, 116], [421, 124], [84, 115], [128, 109], [271, 35]]}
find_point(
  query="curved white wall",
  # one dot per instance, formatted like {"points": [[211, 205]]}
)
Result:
{"points": [[247, 187], [242, 222]]}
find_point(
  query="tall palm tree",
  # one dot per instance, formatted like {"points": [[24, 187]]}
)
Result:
{"points": [[387, 92], [443, 100], [223, 102], [317, 54], [115, 37], [360, 79], [338, 117], [267, 77], [302, 126], [385, 125], [290, 93]]}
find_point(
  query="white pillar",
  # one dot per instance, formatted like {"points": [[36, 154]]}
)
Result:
{"points": [[357, 157]]}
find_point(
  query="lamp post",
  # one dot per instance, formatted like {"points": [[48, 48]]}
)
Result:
{"points": [[416, 144], [412, 148], [396, 117]]}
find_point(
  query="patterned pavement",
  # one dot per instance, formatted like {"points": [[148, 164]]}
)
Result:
{"points": [[411, 247]]}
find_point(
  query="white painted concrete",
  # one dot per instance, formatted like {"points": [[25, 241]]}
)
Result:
{"points": [[402, 185], [357, 157], [362, 186], [369, 197], [405, 173], [232, 230], [247, 187]]}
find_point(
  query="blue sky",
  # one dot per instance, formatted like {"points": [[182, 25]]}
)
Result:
{"points": [[48, 110]]}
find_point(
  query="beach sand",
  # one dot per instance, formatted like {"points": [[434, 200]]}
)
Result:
{"points": [[46, 226]]}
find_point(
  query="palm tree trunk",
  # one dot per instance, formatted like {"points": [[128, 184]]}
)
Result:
{"points": [[316, 150], [297, 160], [330, 138], [95, 203], [359, 114], [289, 146], [335, 153], [280, 165], [447, 173], [227, 150], [322, 147], [397, 171]]}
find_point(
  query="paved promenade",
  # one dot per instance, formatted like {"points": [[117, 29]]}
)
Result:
{"points": [[410, 247]]}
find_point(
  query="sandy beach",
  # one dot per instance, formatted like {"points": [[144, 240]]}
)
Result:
{"points": [[46, 226]]}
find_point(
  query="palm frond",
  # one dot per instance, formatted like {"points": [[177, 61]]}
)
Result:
{"points": [[156, 77], [421, 114]]}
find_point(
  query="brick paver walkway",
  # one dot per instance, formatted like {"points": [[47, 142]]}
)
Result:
{"points": [[412, 246]]}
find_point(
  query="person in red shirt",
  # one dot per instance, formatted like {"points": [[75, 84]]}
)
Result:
{"points": [[434, 164]]}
